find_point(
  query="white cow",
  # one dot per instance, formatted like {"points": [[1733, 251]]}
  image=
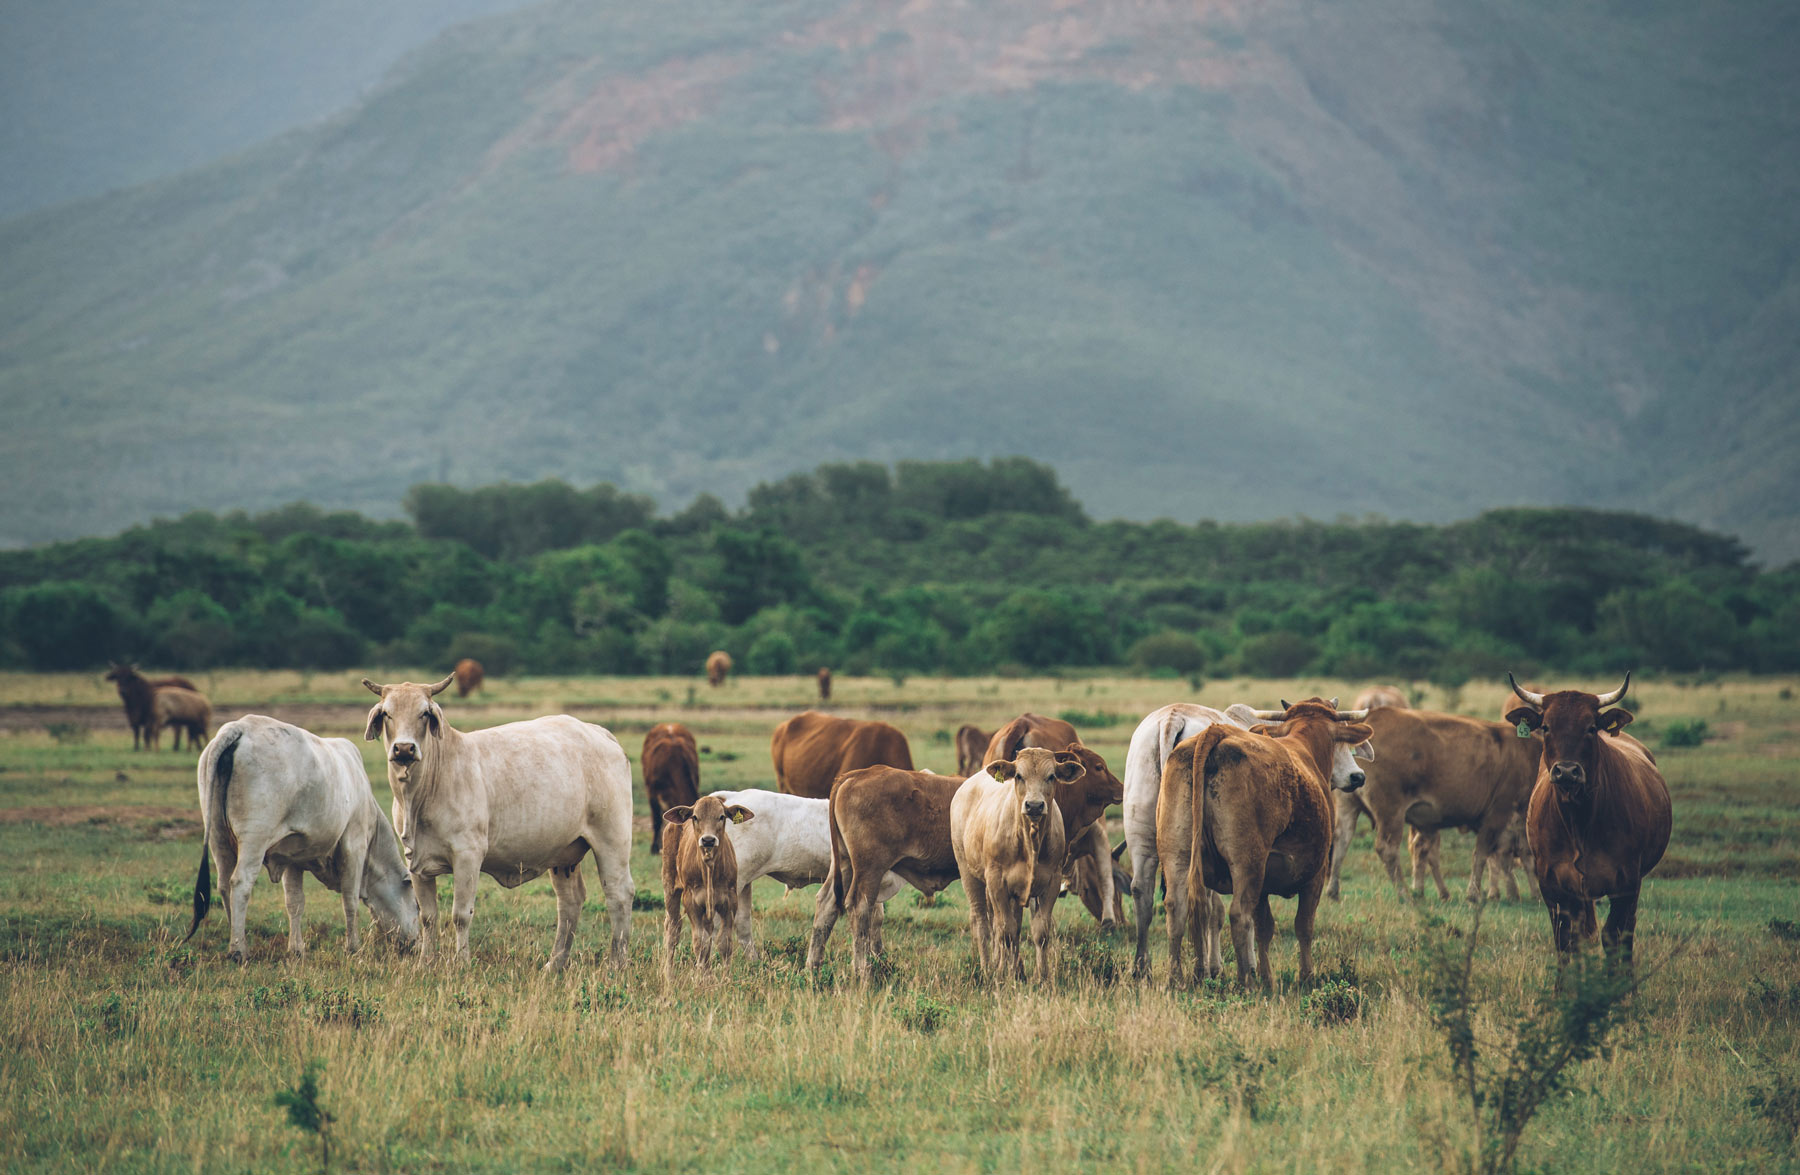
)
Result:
{"points": [[513, 802], [790, 840], [273, 794], [1151, 743]]}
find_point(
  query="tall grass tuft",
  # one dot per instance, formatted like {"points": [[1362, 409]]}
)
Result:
{"points": [[306, 1113]]}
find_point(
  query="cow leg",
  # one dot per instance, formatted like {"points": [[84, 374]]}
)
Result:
{"points": [[352, 872], [1043, 934], [1200, 929], [656, 823], [671, 931], [1387, 847], [980, 928], [1621, 927], [1143, 905], [1347, 809], [1098, 850], [1246, 893], [1006, 948], [425, 890], [1487, 844], [614, 870], [243, 877], [570, 893], [465, 878], [1213, 947], [1175, 911], [1265, 934], [1564, 920], [702, 918], [741, 921], [864, 901], [1306, 909], [727, 914], [293, 889], [825, 916]]}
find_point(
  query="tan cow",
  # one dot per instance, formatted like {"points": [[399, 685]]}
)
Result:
{"points": [[883, 820], [824, 683], [718, 667], [811, 750], [1426, 852], [671, 766], [971, 748], [183, 709], [1007, 834], [1088, 869], [1438, 771], [468, 676], [699, 874], [1258, 826]]}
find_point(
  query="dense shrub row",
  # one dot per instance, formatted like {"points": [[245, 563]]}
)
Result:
{"points": [[935, 567]]}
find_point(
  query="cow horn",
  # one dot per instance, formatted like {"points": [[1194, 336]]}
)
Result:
{"points": [[1286, 705], [1610, 699], [372, 687], [1352, 715], [440, 687], [1271, 715], [1535, 701]]}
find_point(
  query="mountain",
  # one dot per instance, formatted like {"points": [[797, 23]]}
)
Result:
{"points": [[1233, 260]]}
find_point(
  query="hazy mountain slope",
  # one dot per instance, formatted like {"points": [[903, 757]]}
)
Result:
{"points": [[1229, 260], [102, 94]]}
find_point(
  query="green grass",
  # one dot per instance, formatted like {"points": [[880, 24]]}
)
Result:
{"points": [[121, 1050]]}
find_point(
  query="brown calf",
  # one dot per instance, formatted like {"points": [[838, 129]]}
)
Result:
{"points": [[184, 709], [139, 697], [671, 765], [699, 875]]}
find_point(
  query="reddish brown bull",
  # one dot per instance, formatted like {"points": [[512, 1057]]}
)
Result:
{"points": [[811, 750], [138, 694], [824, 683], [671, 766], [468, 676], [718, 667], [1600, 815]]}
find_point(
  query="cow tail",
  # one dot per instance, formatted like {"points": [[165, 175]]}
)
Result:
{"points": [[1204, 746], [213, 818], [840, 859]]}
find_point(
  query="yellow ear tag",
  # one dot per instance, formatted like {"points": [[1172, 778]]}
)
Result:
{"points": [[1524, 729]]}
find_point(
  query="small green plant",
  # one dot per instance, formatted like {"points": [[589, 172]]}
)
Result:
{"points": [[1087, 958], [66, 733], [1234, 1073], [1331, 1001], [1690, 733], [1786, 694], [1783, 930], [925, 1015], [599, 997], [1096, 718], [305, 1112], [1776, 1097], [1775, 997], [338, 1005], [646, 899]]}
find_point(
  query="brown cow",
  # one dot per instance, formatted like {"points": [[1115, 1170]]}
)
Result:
{"points": [[139, 697], [812, 749], [183, 709], [718, 667], [1258, 825], [1425, 849], [883, 820], [971, 748], [1377, 696], [1088, 868], [824, 683], [1007, 832], [699, 874], [1437, 771], [671, 765], [468, 676], [1600, 816]]}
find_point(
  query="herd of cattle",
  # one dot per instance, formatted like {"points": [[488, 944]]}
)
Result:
{"points": [[1248, 803]]}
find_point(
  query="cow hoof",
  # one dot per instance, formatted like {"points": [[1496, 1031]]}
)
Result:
{"points": [[235, 956], [556, 965]]}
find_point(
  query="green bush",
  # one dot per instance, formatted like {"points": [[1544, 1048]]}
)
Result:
{"points": [[1174, 651], [61, 625], [773, 654], [1689, 733]]}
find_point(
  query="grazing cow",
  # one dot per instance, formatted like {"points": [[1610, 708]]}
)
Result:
{"points": [[1259, 825], [671, 763], [1438, 771], [1088, 868], [700, 879], [824, 683], [718, 667], [1600, 816], [183, 709], [1151, 743], [790, 840], [883, 820], [138, 695], [468, 676], [511, 801], [811, 750], [1007, 835], [971, 748], [277, 796]]}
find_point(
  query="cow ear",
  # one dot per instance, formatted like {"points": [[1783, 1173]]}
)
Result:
{"points": [[1069, 767], [434, 718], [1001, 769], [372, 731], [1363, 750], [1272, 729], [1525, 718], [679, 815], [1354, 732], [737, 813], [1613, 721]]}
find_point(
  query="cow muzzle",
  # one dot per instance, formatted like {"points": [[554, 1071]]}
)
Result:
{"points": [[1034, 810], [1354, 781], [708, 844], [403, 754], [1568, 775]]}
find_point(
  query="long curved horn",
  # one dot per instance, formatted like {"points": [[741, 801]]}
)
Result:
{"points": [[1536, 701], [1610, 699], [372, 687], [1352, 715], [1271, 715], [440, 687]]}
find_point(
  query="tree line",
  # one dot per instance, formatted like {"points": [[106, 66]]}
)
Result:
{"points": [[925, 567]]}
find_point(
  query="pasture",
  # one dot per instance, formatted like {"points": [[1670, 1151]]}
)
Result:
{"points": [[122, 1050]]}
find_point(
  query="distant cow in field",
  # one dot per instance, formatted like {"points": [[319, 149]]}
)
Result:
{"points": [[718, 667], [277, 796], [182, 709], [512, 801], [1088, 868], [671, 766], [138, 695], [883, 820], [824, 683], [1599, 819], [1007, 835], [790, 841], [811, 750], [699, 874], [468, 676], [1259, 826], [971, 748]]}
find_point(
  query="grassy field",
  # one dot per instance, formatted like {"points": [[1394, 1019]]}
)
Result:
{"points": [[121, 1050]]}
